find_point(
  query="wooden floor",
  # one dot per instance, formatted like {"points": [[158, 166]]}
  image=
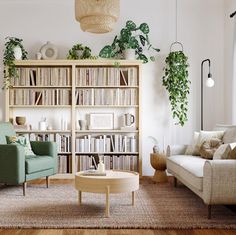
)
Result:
{"points": [[109, 231]]}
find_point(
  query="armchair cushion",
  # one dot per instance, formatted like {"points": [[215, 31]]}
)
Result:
{"points": [[38, 163], [21, 140]]}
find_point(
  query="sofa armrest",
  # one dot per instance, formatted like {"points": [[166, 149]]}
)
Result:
{"points": [[12, 164], [219, 182], [175, 150], [47, 148]]}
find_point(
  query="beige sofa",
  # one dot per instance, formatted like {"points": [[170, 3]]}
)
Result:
{"points": [[212, 180]]}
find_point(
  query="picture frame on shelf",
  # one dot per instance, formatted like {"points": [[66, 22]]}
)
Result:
{"points": [[101, 121]]}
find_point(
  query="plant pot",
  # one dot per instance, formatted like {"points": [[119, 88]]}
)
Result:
{"points": [[129, 54], [79, 53], [17, 53]]}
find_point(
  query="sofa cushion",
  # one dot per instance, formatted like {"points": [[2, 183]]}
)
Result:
{"points": [[190, 149], [188, 167], [204, 136], [230, 136], [209, 147], [38, 163]]}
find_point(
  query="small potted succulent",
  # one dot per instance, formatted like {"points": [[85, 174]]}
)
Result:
{"points": [[78, 51], [14, 50], [132, 38]]}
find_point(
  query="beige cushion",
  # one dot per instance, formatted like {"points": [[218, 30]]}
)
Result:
{"points": [[191, 147], [204, 136], [209, 147], [229, 136], [225, 151], [190, 168]]}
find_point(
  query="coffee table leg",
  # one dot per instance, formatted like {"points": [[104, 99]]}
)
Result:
{"points": [[133, 197], [107, 201], [79, 197]]}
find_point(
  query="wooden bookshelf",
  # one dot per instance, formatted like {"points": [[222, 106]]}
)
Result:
{"points": [[74, 87]]}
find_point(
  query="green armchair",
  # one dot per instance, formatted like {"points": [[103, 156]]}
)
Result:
{"points": [[16, 168]]}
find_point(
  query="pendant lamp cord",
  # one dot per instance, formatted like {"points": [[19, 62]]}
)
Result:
{"points": [[176, 20]]}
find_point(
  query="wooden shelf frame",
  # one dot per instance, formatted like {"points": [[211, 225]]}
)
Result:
{"points": [[73, 64]]}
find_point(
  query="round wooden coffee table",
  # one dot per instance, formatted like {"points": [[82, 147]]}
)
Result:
{"points": [[113, 182]]}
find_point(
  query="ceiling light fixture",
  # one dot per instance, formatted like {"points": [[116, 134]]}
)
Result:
{"points": [[97, 16]]}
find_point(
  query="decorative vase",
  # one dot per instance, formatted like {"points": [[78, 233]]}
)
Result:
{"points": [[129, 54], [17, 53], [49, 51], [20, 120]]}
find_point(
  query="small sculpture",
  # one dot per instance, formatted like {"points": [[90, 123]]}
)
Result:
{"points": [[155, 148]]}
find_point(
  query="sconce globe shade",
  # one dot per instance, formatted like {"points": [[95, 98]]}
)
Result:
{"points": [[210, 82]]}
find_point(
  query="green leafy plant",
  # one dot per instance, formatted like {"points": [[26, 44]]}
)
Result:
{"points": [[78, 51], [177, 84], [10, 70], [131, 37]]}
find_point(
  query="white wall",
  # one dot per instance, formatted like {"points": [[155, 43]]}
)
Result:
{"points": [[201, 30], [230, 6]]}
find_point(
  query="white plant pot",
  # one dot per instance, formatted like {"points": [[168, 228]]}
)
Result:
{"points": [[17, 53], [129, 54]]}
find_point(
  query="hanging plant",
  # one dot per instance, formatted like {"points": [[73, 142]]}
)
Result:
{"points": [[9, 57], [177, 84], [78, 51]]}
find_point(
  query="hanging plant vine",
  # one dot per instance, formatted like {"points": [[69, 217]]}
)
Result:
{"points": [[177, 84]]}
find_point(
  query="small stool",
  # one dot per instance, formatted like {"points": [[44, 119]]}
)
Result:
{"points": [[158, 162]]}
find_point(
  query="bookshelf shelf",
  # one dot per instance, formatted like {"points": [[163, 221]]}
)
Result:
{"points": [[74, 89], [43, 132], [39, 106], [106, 131], [107, 153]]}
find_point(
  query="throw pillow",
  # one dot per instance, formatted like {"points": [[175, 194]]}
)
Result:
{"points": [[204, 136], [230, 135], [232, 153], [190, 149], [21, 140], [209, 147], [225, 151]]}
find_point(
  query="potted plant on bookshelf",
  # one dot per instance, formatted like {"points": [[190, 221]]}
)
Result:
{"points": [[177, 83], [78, 51], [14, 50], [132, 41]]}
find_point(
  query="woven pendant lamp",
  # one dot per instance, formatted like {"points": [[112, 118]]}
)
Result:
{"points": [[97, 16]]}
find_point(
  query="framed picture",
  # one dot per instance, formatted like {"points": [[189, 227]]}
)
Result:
{"points": [[101, 121]]}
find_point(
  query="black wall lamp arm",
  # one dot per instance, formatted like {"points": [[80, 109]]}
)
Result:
{"points": [[233, 14]]}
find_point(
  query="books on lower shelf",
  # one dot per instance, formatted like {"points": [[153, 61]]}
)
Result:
{"points": [[106, 144], [100, 96], [63, 143], [64, 164], [121, 162]]}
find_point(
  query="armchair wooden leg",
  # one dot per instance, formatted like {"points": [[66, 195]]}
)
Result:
{"points": [[47, 181], [24, 188], [175, 182], [209, 211]]}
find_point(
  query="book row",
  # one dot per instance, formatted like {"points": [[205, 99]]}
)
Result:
{"points": [[106, 96], [104, 76], [106, 144], [63, 141], [40, 97], [64, 164], [123, 162], [43, 76]]}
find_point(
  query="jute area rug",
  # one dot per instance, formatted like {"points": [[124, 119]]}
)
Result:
{"points": [[157, 206]]}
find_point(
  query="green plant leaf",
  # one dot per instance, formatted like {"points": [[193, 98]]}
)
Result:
{"points": [[130, 25], [144, 28], [106, 52], [143, 58]]}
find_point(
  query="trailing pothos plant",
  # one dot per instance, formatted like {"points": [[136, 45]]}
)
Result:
{"points": [[10, 70], [177, 84], [78, 51], [131, 37]]}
